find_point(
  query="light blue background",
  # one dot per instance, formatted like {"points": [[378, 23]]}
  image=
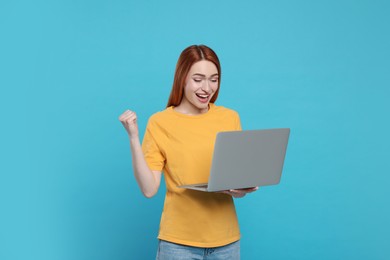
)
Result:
{"points": [[68, 69]]}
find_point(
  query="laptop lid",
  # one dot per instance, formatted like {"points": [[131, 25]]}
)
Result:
{"points": [[250, 158]]}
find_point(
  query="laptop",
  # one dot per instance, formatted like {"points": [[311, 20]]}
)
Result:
{"points": [[246, 159]]}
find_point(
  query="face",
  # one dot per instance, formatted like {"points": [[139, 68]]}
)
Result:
{"points": [[201, 84]]}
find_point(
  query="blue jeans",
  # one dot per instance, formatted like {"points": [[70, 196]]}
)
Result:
{"points": [[171, 251]]}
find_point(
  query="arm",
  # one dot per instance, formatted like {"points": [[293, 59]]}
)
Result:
{"points": [[148, 180]]}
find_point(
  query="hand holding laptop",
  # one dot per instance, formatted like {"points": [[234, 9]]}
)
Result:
{"points": [[239, 193]]}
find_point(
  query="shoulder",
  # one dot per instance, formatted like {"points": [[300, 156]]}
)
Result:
{"points": [[160, 117]]}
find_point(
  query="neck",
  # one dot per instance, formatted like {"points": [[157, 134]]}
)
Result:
{"points": [[188, 109]]}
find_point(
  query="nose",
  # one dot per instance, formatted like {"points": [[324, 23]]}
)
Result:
{"points": [[206, 86]]}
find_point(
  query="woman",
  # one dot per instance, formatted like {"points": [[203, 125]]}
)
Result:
{"points": [[179, 141]]}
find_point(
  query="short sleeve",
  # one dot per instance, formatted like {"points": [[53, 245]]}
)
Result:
{"points": [[153, 155]]}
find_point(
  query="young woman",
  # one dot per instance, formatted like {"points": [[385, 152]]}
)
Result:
{"points": [[179, 141]]}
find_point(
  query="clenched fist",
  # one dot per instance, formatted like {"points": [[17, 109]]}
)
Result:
{"points": [[129, 121]]}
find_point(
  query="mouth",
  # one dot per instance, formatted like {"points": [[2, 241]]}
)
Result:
{"points": [[202, 97]]}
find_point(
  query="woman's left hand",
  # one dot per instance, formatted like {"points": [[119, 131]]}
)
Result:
{"points": [[239, 193]]}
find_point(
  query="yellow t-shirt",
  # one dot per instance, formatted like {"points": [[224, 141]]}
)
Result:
{"points": [[181, 146]]}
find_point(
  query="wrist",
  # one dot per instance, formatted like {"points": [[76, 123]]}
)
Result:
{"points": [[133, 138]]}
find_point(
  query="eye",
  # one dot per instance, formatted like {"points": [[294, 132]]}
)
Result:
{"points": [[214, 80], [197, 80]]}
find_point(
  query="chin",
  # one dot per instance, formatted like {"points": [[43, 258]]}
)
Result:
{"points": [[204, 107]]}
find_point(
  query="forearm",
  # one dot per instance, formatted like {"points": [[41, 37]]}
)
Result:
{"points": [[147, 180]]}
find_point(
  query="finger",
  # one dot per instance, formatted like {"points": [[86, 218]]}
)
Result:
{"points": [[237, 191], [249, 189], [125, 114], [233, 194], [128, 118], [242, 191]]}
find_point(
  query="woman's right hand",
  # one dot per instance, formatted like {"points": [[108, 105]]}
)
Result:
{"points": [[129, 121]]}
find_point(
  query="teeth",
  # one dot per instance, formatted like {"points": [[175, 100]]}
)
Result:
{"points": [[202, 96]]}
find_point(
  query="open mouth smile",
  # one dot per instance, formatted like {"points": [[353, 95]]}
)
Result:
{"points": [[202, 97]]}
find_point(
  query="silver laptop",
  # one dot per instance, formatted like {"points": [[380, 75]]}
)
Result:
{"points": [[245, 159]]}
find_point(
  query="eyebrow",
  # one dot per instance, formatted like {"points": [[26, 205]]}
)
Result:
{"points": [[202, 75]]}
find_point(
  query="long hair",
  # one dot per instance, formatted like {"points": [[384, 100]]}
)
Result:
{"points": [[187, 58]]}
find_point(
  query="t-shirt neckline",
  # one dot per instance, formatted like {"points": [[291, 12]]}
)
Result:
{"points": [[211, 108]]}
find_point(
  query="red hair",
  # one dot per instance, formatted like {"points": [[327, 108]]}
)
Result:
{"points": [[187, 58]]}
